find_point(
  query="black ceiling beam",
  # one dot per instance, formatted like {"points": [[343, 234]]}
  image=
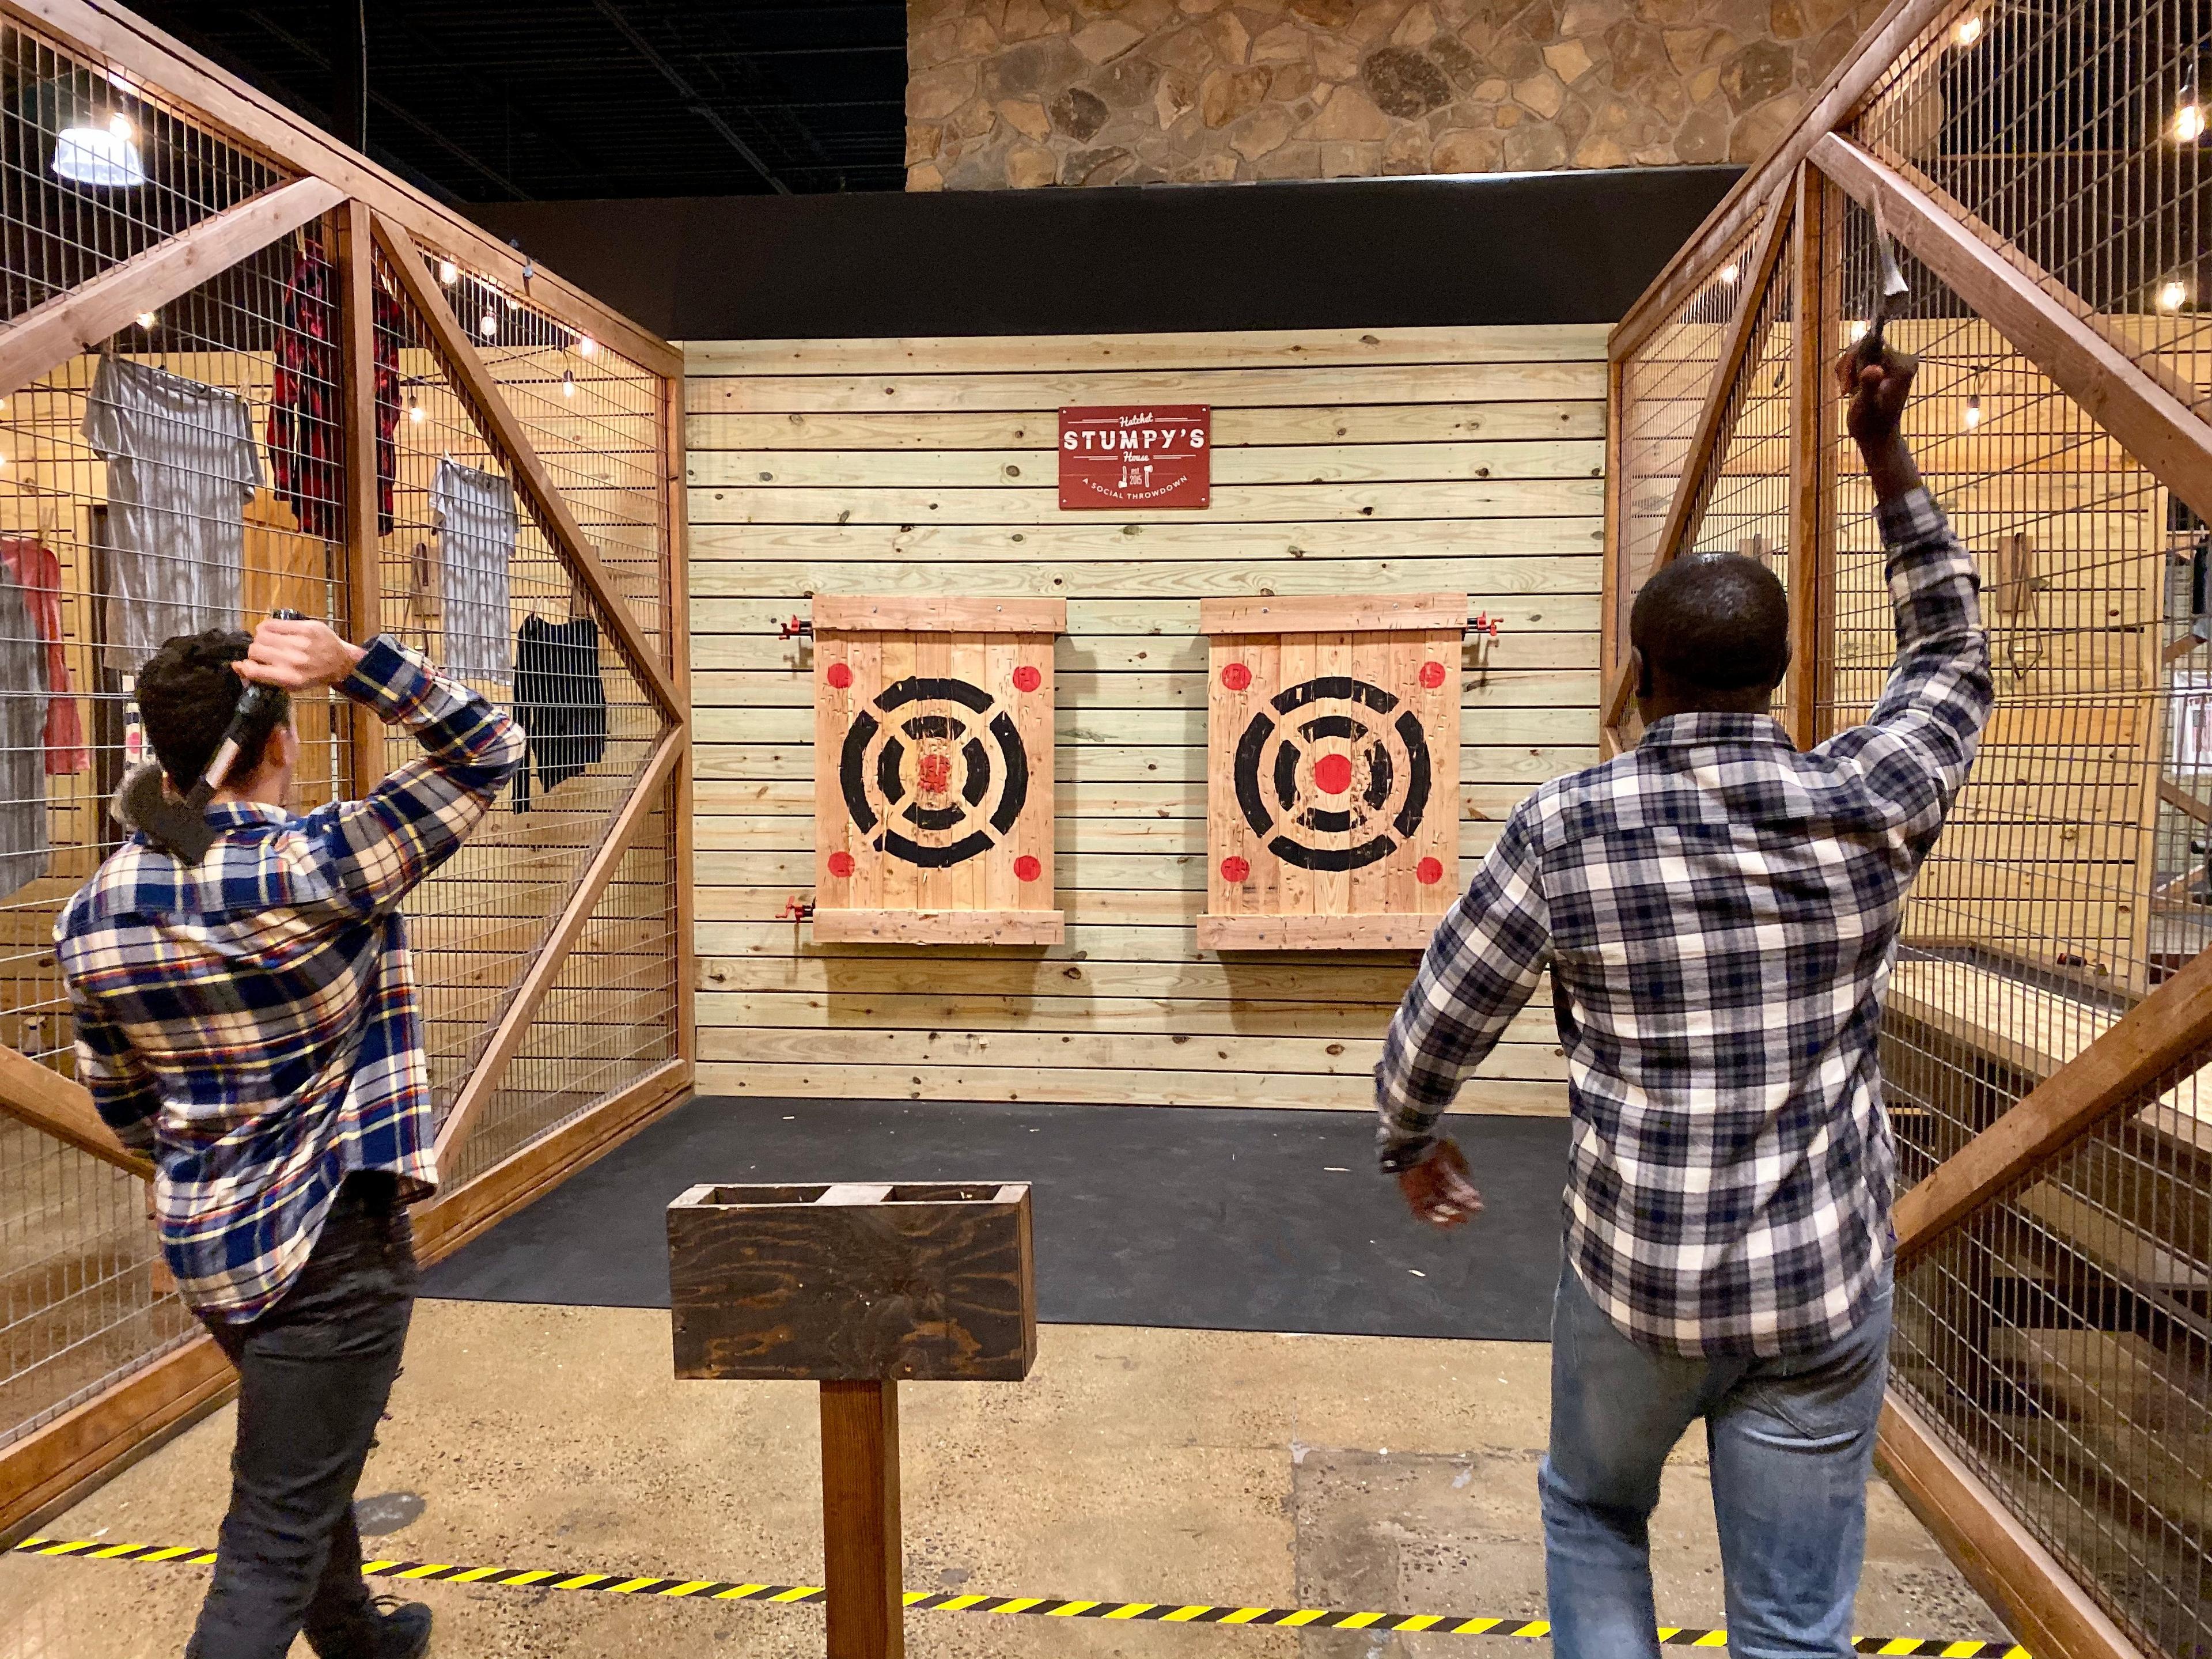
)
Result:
{"points": [[683, 89]]}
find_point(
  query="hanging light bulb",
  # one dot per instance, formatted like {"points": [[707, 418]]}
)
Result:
{"points": [[449, 272], [488, 325], [2189, 119], [1730, 273], [567, 382], [107, 156], [148, 319], [2173, 293], [1972, 418], [1858, 330], [585, 345], [1969, 29], [415, 414]]}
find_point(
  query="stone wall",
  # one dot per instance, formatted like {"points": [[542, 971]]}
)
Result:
{"points": [[1025, 92]]}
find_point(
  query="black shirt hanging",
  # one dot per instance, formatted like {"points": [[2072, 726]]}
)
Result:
{"points": [[561, 699]]}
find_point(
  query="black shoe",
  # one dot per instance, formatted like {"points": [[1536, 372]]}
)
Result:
{"points": [[402, 1628]]}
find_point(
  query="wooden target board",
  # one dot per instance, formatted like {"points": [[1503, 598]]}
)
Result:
{"points": [[932, 770], [1332, 771]]}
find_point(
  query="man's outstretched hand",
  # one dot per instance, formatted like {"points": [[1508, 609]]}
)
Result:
{"points": [[297, 656], [1875, 415], [1437, 1190]]}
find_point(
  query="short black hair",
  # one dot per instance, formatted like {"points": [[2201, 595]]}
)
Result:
{"points": [[1715, 622], [186, 694]]}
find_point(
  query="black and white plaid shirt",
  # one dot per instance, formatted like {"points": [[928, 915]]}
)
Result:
{"points": [[1718, 912]]}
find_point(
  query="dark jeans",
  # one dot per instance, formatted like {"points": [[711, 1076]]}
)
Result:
{"points": [[314, 1373]]}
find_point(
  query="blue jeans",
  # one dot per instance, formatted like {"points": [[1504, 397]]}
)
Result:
{"points": [[1792, 1446]]}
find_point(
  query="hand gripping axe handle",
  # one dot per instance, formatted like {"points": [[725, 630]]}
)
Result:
{"points": [[179, 825]]}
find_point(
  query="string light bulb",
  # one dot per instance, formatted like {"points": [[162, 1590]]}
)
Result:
{"points": [[1969, 29], [1730, 273], [414, 414], [148, 319], [2188, 120], [567, 382], [585, 345], [449, 272], [488, 325], [1972, 418], [2173, 293], [1858, 330]]}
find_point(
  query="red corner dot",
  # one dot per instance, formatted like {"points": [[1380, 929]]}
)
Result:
{"points": [[1026, 678], [1237, 676], [1429, 872], [838, 675], [1235, 869], [1027, 868], [1432, 675], [1333, 774], [841, 864]]}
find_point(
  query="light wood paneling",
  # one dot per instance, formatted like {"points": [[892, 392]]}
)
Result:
{"points": [[1399, 463]]}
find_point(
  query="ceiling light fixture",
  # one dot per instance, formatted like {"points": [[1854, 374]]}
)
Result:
{"points": [[106, 156]]}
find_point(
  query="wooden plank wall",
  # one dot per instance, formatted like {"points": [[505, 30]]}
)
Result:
{"points": [[1392, 461]]}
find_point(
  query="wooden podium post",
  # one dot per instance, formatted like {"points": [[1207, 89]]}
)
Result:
{"points": [[857, 1286]]}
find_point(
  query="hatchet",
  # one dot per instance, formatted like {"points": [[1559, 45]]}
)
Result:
{"points": [[1892, 287], [178, 824]]}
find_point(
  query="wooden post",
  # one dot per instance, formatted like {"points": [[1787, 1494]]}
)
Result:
{"points": [[1812, 465], [357, 397], [860, 1537]]}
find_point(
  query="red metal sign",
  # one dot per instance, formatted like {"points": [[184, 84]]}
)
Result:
{"points": [[1136, 455]]}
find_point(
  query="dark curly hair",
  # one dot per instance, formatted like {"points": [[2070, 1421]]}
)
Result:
{"points": [[187, 694]]}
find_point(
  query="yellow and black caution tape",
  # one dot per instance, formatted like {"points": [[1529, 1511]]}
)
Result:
{"points": [[1050, 1607]]}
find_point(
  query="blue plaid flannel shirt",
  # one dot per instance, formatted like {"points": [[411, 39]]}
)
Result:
{"points": [[1719, 913], [250, 1022]]}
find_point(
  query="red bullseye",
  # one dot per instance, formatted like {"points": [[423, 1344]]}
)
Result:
{"points": [[1027, 868], [1432, 675], [1234, 870], [838, 675], [841, 864], [1429, 872], [1026, 678], [1237, 676], [1333, 774], [934, 773]]}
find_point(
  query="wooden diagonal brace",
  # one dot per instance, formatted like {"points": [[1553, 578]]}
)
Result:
{"points": [[1715, 423], [52, 333], [62, 1108], [2153, 425], [482, 393], [2119, 1072], [530, 990]]}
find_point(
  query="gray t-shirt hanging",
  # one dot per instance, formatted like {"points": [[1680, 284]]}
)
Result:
{"points": [[476, 528], [22, 741], [182, 466]]}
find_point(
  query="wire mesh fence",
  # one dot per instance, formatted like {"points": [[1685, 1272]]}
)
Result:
{"points": [[191, 472], [95, 168], [472, 577]]}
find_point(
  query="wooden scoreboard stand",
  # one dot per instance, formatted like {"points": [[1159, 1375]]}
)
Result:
{"points": [[855, 1286]]}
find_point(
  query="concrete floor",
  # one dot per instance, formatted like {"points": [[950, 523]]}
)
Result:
{"points": [[1139, 1463]]}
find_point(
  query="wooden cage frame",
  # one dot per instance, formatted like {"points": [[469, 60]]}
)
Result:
{"points": [[367, 214], [1787, 208]]}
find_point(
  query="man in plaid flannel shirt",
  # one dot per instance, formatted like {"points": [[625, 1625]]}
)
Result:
{"points": [[250, 1022], [1718, 913]]}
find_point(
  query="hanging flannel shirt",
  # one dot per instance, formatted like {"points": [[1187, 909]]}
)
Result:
{"points": [[306, 431], [1719, 913], [251, 1022], [38, 572]]}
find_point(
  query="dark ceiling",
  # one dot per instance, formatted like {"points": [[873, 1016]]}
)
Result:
{"points": [[491, 100]]}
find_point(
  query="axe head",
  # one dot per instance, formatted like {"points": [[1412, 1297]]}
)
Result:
{"points": [[179, 828]]}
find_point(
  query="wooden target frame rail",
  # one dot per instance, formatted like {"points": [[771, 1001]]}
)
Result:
{"points": [[559, 993], [2049, 1026]]}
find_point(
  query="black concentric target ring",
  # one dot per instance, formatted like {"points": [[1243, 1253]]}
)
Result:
{"points": [[986, 777], [1392, 772]]}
